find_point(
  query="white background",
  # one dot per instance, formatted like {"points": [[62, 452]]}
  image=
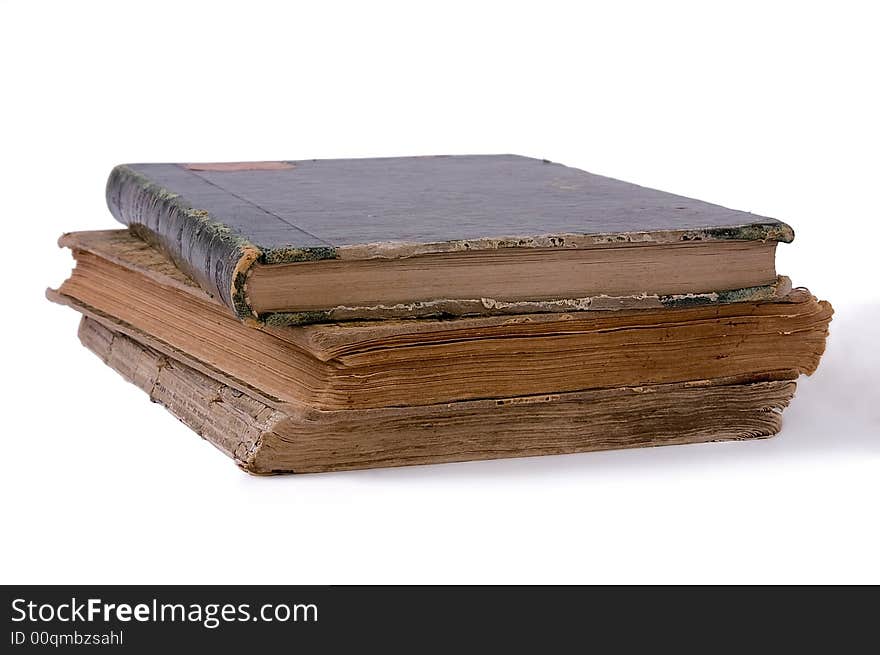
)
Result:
{"points": [[766, 107]]}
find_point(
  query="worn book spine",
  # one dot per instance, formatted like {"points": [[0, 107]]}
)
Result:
{"points": [[265, 437], [205, 249]]}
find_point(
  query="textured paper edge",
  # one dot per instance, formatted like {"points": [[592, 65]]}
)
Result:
{"points": [[240, 425]]}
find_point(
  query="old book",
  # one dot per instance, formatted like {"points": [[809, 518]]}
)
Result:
{"points": [[325, 240], [264, 435], [134, 289]]}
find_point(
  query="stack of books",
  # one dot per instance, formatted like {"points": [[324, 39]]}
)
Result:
{"points": [[322, 315]]}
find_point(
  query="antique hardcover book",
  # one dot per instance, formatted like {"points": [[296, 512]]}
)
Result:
{"points": [[294, 242], [266, 435], [136, 290]]}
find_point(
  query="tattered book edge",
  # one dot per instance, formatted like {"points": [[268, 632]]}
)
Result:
{"points": [[239, 425], [453, 308]]}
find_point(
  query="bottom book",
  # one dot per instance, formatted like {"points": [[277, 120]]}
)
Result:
{"points": [[265, 436]]}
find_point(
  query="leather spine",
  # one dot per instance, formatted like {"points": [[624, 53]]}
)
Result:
{"points": [[200, 245]]}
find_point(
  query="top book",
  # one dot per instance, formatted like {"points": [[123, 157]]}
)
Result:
{"points": [[291, 242]]}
